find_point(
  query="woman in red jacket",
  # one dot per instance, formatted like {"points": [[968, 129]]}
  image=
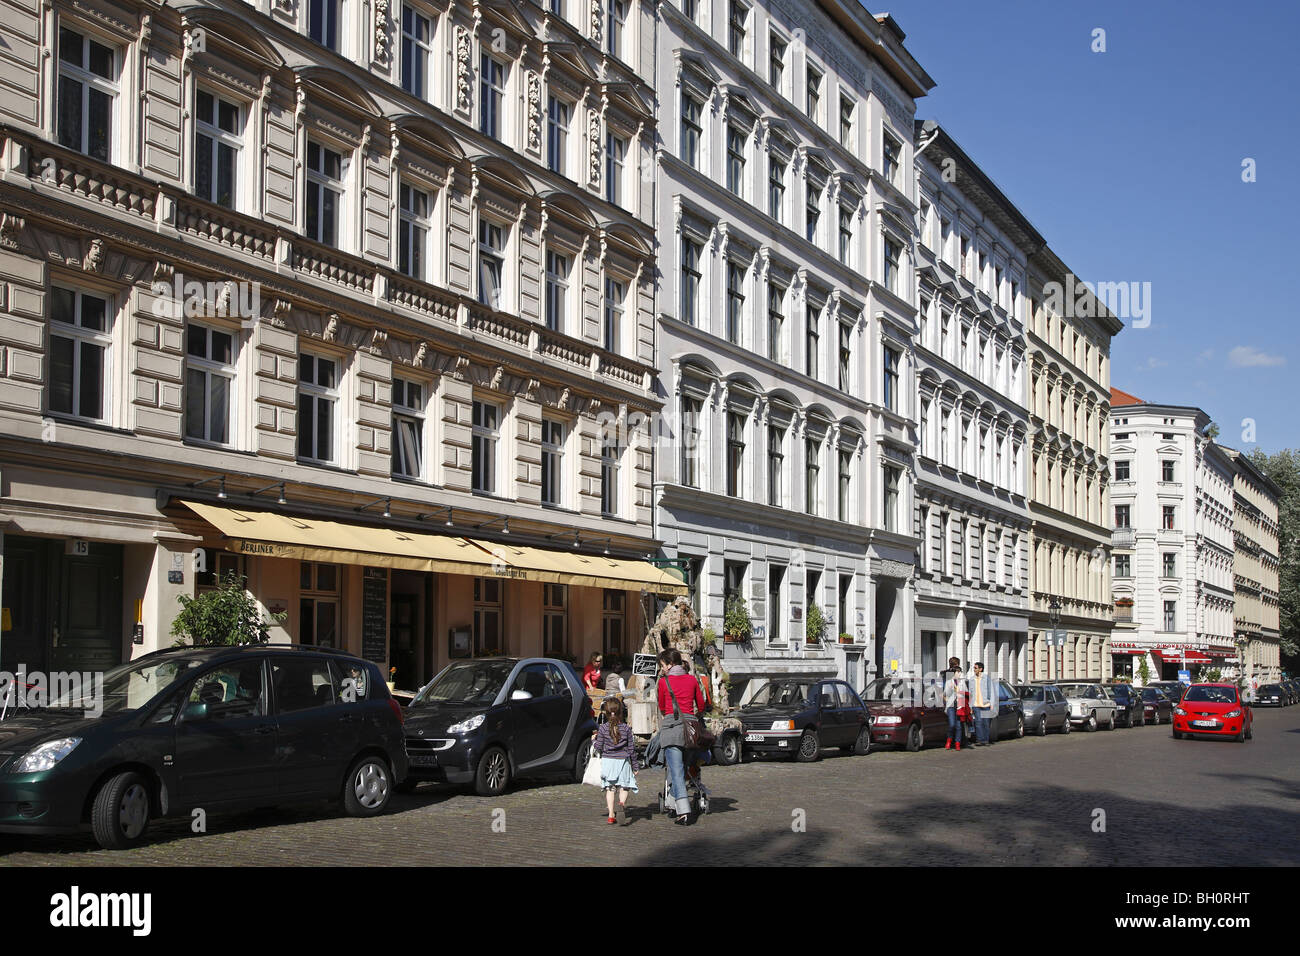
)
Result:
{"points": [[675, 682]]}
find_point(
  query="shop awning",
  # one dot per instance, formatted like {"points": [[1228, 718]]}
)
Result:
{"points": [[1178, 656], [1121, 651], [274, 535]]}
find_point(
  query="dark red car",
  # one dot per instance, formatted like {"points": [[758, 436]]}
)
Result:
{"points": [[1215, 710], [904, 714]]}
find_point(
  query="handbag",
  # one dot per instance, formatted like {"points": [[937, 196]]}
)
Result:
{"points": [[696, 735], [592, 773]]}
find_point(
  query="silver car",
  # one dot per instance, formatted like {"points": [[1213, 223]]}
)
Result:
{"points": [[1090, 706], [1045, 709]]}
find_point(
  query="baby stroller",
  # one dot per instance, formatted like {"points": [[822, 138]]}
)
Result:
{"points": [[696, 791]]}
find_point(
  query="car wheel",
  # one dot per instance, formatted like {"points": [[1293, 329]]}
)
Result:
{"points": [[1177, 735], [1250, 732], [1128, 720], [367, 787], [119, 817], [1111, 725], [730, 751], [493, 774], [1066, 726], [1092, 721], [580, 761], [862, 746], [915, 738], [1020, 726], [1042, 726], [810, 747], [1241, 736]]}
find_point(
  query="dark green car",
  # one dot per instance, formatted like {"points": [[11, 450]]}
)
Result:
{"points": [[211, 728]]}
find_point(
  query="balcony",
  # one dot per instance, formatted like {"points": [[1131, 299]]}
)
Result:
{"points": [[1123, 538]]}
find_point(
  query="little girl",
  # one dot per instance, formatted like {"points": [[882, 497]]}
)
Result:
{"points": [[618, 763]]}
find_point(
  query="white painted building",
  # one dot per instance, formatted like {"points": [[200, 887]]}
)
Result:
{"points": [[786, 313], [1172, 500]]}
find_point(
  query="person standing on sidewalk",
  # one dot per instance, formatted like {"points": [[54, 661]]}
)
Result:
{"points": [[679, 694], [983, 703], [956, 701], [618, 763]]}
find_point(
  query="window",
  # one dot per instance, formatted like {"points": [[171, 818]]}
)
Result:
{"points": [[924, 434], [491, 260], [846, 120], [1122, 470], [554, 618], [892, 153], [812, 207], [736, 160], [846, 356], [613, 622], [209, 380], [893, 258], [1122, 516], [324, 193], [776, 50], [735, 302], [318, 395], [945, 543], [408, 428], [1166, 470], [775, 188], [813, 340], [486, 433], [845, 589], [557, 134], [846, 233], [218, 132], [845, 484], [615, 160], [890, 381], [813, 104], [318, 604], [88, 77], [552, 462], [615, 296], [610, 454], [1167, 517], [735, 454], [1168, 564], [690, 441], [413, 232], [775, 323], [323, 22], [737, 17], [945, 441], [416, 51], [491, 94], [892, 476], [812, 474], [691, 130], [617, 23], [812, 581], [1171, 613], [1123, 565], [80, 344], [733, 580], [489, 630], [690, 280], [557, 290], [775, 466], [775, 608]]}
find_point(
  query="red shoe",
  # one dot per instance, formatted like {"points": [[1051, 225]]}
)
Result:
{"points": [[948, 744], [959, 745], [611, 820]]}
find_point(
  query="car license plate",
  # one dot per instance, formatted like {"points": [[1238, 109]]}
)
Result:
{"points": [[753, 738], [1205, 723], [424, 760]]}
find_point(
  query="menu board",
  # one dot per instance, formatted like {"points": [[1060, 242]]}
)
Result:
{"points": [[374, 615]]}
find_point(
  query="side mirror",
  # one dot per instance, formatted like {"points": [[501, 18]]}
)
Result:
{"points": [[165, 713], [521, 695]]}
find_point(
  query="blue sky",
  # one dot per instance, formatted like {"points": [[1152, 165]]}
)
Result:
{"points": [[1129, 162]]}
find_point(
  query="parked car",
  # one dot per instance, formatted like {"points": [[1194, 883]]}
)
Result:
{"points": [[1214, 710], [217, 728], [1271, 695], [488, 720], [1090, 706], [1129, 707], [1045, 708], [801, 717], [1010, 719], [1293, 690], [1173, 689], [1159, 708], [903, 714]]}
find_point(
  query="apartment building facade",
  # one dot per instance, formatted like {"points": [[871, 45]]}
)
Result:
{"points": [[1172, 499], [971, 511], [1069, 331], [1255, 572], [786, 317], [355, 300]]}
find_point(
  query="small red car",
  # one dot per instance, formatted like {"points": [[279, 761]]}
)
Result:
{"points": [[1215, 710]]}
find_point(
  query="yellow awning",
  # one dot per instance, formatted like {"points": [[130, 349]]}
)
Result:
{"points": [[273, 535]]}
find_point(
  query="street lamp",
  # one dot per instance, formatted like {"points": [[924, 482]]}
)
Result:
{"points": [[1054, 617]]}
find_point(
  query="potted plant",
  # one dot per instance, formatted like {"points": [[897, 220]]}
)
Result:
{"points": [[708, 637], [846, 638], [815, 626], [736, 626]]}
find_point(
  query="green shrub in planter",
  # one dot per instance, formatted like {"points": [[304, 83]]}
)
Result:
{"points": [[815, 626]]}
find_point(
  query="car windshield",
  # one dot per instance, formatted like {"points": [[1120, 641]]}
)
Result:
{"points": [[781, 693], [889, 688], [1210, 695], [468, 682], [1075, 690], [1032, 693], [127, 687], [1270, 689], [1151, 693]]}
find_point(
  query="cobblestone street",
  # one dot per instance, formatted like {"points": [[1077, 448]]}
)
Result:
{"points": [[1028, 802]]}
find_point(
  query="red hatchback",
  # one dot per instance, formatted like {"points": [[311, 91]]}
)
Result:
{"points": [[1215, 710]]}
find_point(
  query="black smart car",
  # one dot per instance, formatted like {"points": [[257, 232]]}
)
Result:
{"points": [[217, 728], [800, 717], [489, 720]]}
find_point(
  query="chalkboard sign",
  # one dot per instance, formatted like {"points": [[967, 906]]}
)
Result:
{"points": [[374, 615], [645, 665]]}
